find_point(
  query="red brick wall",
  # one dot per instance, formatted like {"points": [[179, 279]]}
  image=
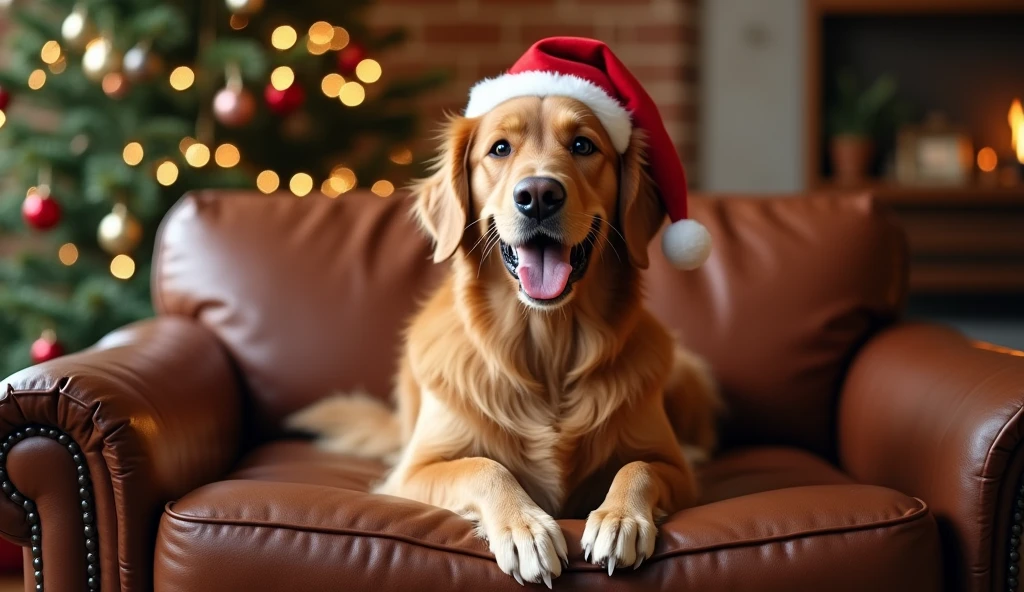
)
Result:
{"points": [[473, 39]]}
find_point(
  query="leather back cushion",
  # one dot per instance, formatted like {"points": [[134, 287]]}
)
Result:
{"points": [[311, 295]]}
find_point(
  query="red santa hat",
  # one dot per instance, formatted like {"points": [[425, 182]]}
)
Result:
{"points": [[588, 71]]}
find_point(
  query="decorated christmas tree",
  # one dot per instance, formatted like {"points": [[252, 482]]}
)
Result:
{"points": [[110, 110]]}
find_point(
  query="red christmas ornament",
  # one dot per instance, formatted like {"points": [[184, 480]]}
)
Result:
{"points": [[234, 107], [5, 98], [283, 102], [350, 57], [41, 211], [46, 348]]}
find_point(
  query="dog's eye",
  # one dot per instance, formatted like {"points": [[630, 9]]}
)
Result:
{"points": [[582, 146], [501, 149]]}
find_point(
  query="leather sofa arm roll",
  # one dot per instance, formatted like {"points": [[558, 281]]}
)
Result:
{"points": [[92, 445], [928, 412]]}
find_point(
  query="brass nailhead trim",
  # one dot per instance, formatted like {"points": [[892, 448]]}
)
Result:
{"points": [[84, 493]]}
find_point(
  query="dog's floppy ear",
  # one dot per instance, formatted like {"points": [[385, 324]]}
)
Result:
{"points": [[641, 212], [442, 199]]}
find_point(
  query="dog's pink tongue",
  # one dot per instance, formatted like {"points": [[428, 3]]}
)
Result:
{"points": [[543, 271]]}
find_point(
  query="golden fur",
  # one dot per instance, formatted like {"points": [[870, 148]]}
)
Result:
{"points": [[511, 413]]}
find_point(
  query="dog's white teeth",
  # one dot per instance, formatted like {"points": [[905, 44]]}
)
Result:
{"points": [[547, 580], [611, 564]]}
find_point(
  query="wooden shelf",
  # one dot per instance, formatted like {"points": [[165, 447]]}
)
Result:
{"points": [[908, 195]]}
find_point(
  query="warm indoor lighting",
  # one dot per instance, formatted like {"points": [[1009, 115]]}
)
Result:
{"points": [[184, 144], [227, 156], [321, 33], [328, 188], [133, 154], [1016, 118], [332, 84], [301, 184], [59, 66], [268, 182], [122, 267], [182, 78], [68, 254], [352, 94], [198, 155], [340, 39], [368, 71], [36, 79], [343, 179], [401, 156], [167, 173], [50, 53], [383, 188], [238, 22], [284, 37], [3, 118], [282, 77], [987, 160]]}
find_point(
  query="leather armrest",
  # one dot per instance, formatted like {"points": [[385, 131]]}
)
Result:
{"points": [[930, 413], [99, 441]]}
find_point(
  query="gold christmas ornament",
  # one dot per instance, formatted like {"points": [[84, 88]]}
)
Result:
{"points": [[99, 59], [244, 6], [119, 232], [140, 63], [76, 29]]}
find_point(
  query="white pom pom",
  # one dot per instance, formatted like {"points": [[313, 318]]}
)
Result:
{"points": [[686, 244]]}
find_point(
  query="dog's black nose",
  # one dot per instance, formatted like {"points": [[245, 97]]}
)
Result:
{"points": [[538, 197]]}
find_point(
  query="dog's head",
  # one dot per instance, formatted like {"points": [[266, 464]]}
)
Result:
{"points": [[537, 184]]}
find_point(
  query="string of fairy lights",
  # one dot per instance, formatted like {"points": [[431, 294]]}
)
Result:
{"points": [[120, 232]]}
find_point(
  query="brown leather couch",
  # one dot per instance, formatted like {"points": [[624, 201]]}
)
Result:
{"points": [[860, 452]]}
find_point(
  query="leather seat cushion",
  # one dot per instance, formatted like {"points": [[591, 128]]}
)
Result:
{"points": [[294, 517]]}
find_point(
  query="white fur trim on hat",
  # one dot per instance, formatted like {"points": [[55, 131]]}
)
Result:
{"points": [[686, 244], [491, 92]]}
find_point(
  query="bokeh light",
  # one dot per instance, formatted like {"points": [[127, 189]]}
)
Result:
{"points": [[182, 78], [198, 155], [167, 173], [122, 267], [133, 154], [268, 182], [301, 184], [331, 85], [36, 79], [227, 156], [368, 71], [987, 160], [68, 254], [51, 52], [343, 179], [238, 22], [340, 39], [3, 118], [401, 155], [59, 66], [321, 33], [383, 188], [352, 94], [184, 144], [282, 77], [328, 188], [283, 37]]}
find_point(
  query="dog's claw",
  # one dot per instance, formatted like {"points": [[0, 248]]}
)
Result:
{"points": [[518, 578], [565, 562], [547, 580], [586, 553], [611, 565], [639, 562]]}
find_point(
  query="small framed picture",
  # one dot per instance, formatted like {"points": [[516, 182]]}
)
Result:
{"points": [[934, 154]]}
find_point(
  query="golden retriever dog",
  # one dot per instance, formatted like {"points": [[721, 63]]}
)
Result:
{"points": [[534, 384]]}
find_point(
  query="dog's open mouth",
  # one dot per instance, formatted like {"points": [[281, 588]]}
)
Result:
{"points": [[547, 269]]}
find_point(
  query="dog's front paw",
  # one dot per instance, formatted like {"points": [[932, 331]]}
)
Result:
{"points": [[615, 537], [528, 545]]}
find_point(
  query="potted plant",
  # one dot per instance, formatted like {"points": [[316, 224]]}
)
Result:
{"points": [[855, 117]]}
